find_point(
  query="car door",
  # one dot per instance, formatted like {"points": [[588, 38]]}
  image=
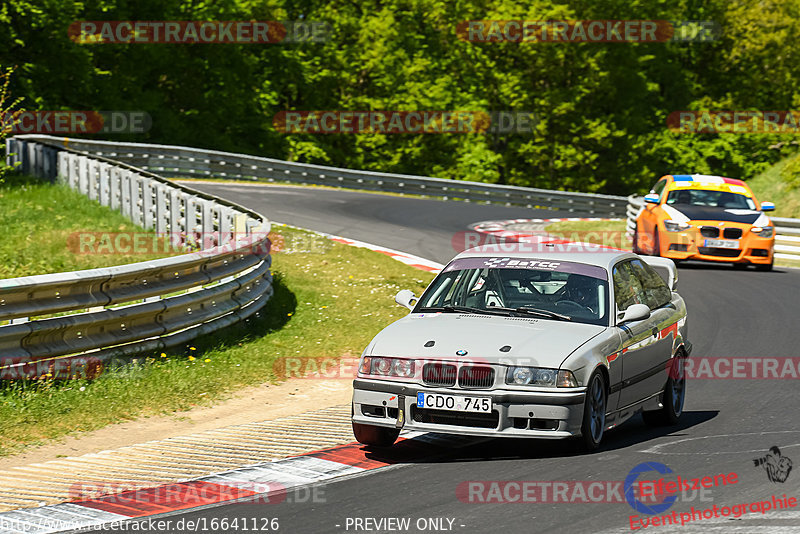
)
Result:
{"points": [[645, 349]]}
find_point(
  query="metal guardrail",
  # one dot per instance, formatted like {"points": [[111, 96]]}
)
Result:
{"points": [[197, 163], [787, 231], [121, 311]]}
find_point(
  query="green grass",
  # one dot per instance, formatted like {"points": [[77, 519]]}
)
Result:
{"points": [[330, 300], [39, 219], [780, 184]]}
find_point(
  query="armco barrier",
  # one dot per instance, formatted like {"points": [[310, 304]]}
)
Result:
{"points": [[129, 309], [196, 163], [787, 231]]}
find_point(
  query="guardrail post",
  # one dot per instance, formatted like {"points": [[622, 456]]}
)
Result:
{"points": [[92, 166], [63, 168], [126, 193], [137, 204], [176, 219], [104, 183], [147, 203], [207, 232], [193, 230], [115, 186], [83, 175], [161, 209], [73, 171]]}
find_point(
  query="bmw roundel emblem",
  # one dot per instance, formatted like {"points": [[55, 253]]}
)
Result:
{"points": [[461, 353]]}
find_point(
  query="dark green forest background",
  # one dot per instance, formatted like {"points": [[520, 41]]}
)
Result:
{"points": [[602, 107]]}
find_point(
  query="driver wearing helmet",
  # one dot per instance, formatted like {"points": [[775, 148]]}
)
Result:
{"points": [[581, 290]]}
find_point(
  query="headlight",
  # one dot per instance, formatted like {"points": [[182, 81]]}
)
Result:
{"points": [[531, 376], [763, 231], [538, 376], [520, 375], [404, 368], [381, 366], [371, 365], [675, 226]]}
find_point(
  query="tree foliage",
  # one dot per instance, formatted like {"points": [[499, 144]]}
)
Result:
{"points": [[601, 108]]}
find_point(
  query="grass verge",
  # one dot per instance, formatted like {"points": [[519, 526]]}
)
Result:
{"points": [[780, 184], [330, 300], [39, 220]]}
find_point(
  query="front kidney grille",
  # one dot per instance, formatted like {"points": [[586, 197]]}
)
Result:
{"points": [[732, 233], [476, 377], [439, 374], [709, 231]]}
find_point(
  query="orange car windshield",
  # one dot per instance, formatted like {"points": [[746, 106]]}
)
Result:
{"points": [[715, 199]]}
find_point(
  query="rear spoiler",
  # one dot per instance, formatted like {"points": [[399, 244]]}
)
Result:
{"points": [[664, 266]]}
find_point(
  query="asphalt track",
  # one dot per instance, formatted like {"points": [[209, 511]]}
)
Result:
{"points": [[726, 424]]}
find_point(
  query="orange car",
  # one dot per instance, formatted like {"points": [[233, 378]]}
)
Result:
{"points": [[697, 217]]}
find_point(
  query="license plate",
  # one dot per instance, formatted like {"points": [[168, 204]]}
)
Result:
{"points": [[721, 243], [454, 403]]}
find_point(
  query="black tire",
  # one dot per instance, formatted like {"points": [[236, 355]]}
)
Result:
{"points": [[764, 266], [594, 412], [674, 397], [656, 245], [375, 436]]}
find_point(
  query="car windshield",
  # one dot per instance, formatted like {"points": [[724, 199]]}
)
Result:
{"points": [[520, 286], [715, 199]]}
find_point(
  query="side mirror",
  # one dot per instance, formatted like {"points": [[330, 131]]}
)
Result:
{"points": [[405, 297], [767, 206], [635, 312], [651, 198]]}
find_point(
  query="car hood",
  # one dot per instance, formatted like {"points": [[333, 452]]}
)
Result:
{"points": [[686, 213], [532, 341]]}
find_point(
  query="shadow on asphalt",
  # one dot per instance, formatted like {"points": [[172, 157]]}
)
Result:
{"points": [[631, 433]]}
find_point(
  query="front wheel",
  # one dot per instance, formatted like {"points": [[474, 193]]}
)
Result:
{"points": [[764, 266], [375, 436], [594, 412], [674, 396]]}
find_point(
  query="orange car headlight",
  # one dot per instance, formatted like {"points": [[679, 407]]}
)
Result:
{"points": [[763, 231], [675, 226]]}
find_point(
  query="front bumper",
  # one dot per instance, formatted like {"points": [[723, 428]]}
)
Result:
{"points": [[522, 414], [690, 245]]}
